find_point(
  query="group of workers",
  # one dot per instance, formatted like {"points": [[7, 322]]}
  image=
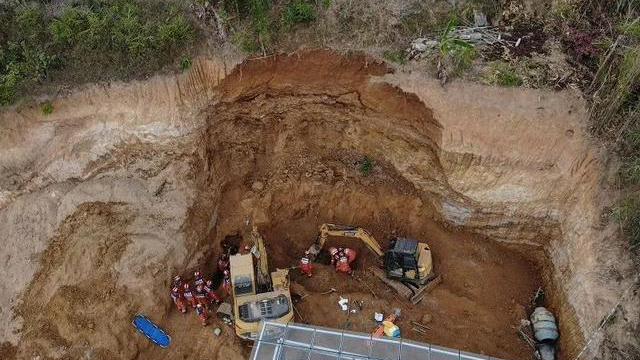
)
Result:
{"points": [[200, 293], [341, 258]]}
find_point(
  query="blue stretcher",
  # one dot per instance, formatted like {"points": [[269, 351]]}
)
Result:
{"points": [[151, 330]]}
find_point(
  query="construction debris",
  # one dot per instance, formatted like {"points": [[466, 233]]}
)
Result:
{"points": [[378, 316], [343, 303], [478, 35]]}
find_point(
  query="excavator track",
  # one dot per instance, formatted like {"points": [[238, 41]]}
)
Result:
{"points": [[409, 292]]}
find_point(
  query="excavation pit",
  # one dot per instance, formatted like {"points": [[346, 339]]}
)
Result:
{"points": [[131, 192]]}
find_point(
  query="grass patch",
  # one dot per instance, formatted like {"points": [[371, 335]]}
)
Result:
{"points": [[92, 41], [561, 9], [628, 212], [504, 74], [461, 58], [366, 165], [396, 56], [298, 12], [631, 27], [185, 63], [47, 108]]}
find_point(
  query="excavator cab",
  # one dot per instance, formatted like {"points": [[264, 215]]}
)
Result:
{"points": [[408, 260]]}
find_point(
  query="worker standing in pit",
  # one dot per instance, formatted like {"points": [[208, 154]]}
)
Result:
{"points": [[223, 263], [306, 266], [347, 256], [201, 311], [179, 300], [335, 255], [177, 283], [211, 294], [226, 282], [197, 278], [201, 295], [188, 295]]}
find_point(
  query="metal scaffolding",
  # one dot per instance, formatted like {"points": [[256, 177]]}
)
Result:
{"points": [[304, 342]]}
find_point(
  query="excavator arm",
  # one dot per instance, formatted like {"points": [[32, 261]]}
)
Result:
{"points": [[327, 230]]}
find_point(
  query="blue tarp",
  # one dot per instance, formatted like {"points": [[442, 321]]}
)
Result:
{"points": [[151, 330]]}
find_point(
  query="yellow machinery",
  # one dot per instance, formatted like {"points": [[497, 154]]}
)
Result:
{"points": [[406, 261], [265, 296]]}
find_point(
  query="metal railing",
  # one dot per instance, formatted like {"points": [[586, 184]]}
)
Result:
{"points": [[291, 341]]}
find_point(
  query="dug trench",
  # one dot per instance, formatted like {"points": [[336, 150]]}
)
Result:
{"points": [[490, 178]]}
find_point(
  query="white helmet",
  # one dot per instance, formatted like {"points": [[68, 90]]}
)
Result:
{"points": [[333, 250]]}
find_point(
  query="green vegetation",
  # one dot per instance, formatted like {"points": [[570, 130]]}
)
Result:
{"points": [[87, 42], [47, 107], [366, 165], [396, 56], [298, 11], [561, 9], [504, 74], [631, 27], [185, 63], [628, 212], [457, 53], [615, 108]]}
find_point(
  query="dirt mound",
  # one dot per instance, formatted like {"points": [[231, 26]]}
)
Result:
{"points": [[106, 201]]}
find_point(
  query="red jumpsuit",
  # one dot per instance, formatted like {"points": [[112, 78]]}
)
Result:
{"points": [[202, 314], [345, 260], [201, 295], [211, 294], [188, 294], [198, 280], [306, 266], [226, 283], [223, 265], [178, 299]]}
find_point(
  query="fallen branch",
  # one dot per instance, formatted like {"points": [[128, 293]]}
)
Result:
{"points": [[332, 290]]}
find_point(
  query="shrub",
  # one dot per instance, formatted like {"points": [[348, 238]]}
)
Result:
{"points": [[396, 56], [366, 165], [298, 11], [47, 107], [185, 63], [88, 42], [504, 74]]}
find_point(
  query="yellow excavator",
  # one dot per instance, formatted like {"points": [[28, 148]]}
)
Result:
{"points": [[265, 296], [408, 263]]}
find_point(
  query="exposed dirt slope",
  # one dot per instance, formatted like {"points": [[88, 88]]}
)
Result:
{"points": [[123, 187]]}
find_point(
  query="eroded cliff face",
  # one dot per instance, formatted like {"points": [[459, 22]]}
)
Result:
{"points": [[122, 187]]}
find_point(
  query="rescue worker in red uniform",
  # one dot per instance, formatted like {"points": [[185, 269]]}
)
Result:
{"points": [[306, 266], [201, 295], [211, 294], [201, 311], [197, 278], [179, 300], [188, 295], [336, 254], [177, 283], [223, 263], [346, 257], [226, 282]]}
